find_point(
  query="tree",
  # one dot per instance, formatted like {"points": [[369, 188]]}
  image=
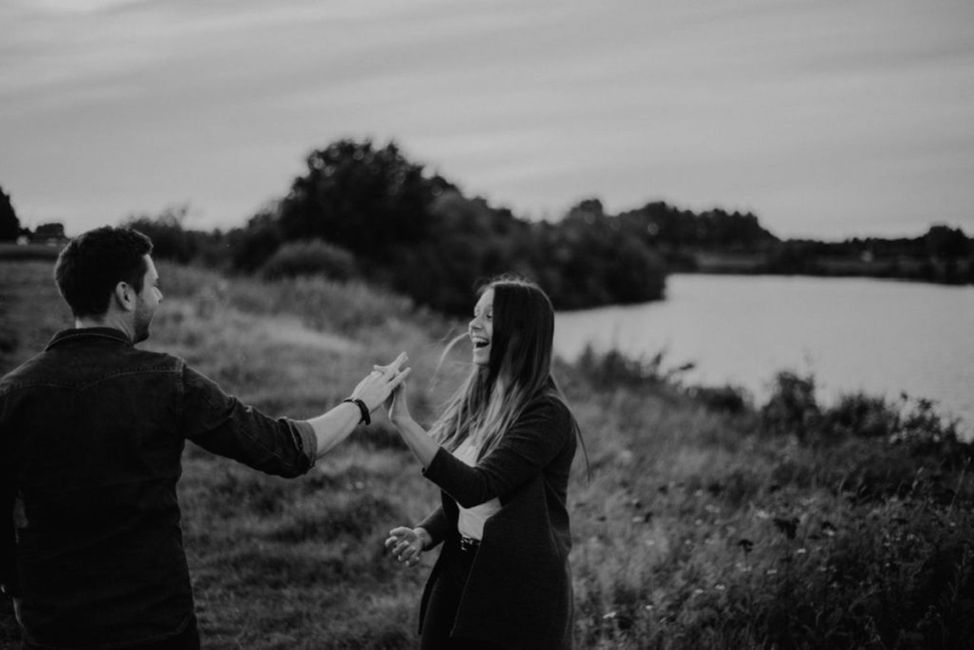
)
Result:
{"points": [[367, 200], [50, 233], [170, 240], [944, 241], [418, 234], [601, 261], [469, 243], [9, 223], [252, 246]]}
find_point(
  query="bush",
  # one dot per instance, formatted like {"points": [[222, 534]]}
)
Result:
{"points": [[310, 257], [792, 408], [860, 415], [171, 240], [722, 399], [613, 369], [924, 432]]}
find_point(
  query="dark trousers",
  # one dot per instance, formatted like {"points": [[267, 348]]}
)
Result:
{"points": [[188, 639], [441, 609]]}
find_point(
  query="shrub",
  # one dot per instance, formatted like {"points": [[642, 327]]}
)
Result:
{"points": [[171, 240], [925, 433], [613, 369], [792, 408], [875, 473], [723, 399], [310, 257], [860, 415]]}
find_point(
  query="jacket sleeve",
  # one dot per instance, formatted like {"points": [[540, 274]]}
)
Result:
{"points": [[8, 541], [535, 440], [223, 425], [437, 524]]}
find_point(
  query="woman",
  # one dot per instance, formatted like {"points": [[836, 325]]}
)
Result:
{"points": [[501, 454]]}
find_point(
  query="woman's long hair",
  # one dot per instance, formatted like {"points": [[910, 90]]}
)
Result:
{"points": [[492, 398]]}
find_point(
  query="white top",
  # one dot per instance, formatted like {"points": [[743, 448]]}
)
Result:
{"points": [[471, 521]]}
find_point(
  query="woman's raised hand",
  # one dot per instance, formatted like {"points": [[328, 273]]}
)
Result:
{"points": [[377, 387], [396, 402], [398, 405], [407, 544]]}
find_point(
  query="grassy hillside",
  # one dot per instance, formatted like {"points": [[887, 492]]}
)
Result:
{"points": [[705, 521]]}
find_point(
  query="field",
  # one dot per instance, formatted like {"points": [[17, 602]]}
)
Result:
{"points": [[9, 251], [703, 521]]}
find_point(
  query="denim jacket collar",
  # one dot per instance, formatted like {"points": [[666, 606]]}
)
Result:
{"points": [[80, 334]]}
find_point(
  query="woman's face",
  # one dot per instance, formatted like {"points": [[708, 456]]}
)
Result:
{"points": [[481, 328]]}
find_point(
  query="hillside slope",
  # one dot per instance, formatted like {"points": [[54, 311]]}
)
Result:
{"points": [[703, 521]]}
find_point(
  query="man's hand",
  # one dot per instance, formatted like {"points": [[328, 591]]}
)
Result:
{"points": [[376, 388]]}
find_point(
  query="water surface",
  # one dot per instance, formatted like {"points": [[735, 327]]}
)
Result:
{"points": [[882, 337]]}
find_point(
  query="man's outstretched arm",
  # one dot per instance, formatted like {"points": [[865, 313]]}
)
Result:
{"points": [[223, 425]]}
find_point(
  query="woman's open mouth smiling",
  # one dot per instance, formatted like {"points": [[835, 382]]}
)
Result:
{"points": [[481, 349]]}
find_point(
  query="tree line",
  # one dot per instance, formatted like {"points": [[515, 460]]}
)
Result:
{"points": [[361, 211], [366, 211]]}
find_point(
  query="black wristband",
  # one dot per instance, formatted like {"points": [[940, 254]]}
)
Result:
{"points": [[366, 418]]}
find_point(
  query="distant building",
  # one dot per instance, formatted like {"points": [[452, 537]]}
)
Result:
{"points": [[51, 234]]}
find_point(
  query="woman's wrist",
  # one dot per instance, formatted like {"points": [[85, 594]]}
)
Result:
{"points": [[402, 421], [425, 539]]}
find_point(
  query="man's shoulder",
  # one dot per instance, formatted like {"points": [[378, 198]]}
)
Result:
{"points": [[151, 359], [154, 357], [19, 373], [135, 361], [50, 368]]}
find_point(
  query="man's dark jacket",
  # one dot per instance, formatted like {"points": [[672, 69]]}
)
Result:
{"points": [[519, 591], [91, 435]]}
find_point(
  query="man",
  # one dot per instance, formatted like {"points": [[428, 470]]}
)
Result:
{"points": [[92, 430]]}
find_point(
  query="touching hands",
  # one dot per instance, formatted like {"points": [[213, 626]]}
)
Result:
{"points": [[378, 386], [396, 402], [407, 544]]}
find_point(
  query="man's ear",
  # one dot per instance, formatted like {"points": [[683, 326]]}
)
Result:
{"points": [[125, 296]]}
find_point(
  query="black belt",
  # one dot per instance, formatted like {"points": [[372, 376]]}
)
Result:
{"points": [[469, 544]]}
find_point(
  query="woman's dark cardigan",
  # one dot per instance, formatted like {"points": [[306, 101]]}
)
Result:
{"points": [[519, 592]]}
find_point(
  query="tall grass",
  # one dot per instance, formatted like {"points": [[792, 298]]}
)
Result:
{"points": [[730, 531], [706, 522]]}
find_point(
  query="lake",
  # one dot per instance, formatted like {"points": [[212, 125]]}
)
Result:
{"points": [[879, 336]]}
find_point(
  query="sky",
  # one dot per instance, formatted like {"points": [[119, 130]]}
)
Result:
{"points": [[825, 118]]}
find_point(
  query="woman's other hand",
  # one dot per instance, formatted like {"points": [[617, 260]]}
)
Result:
{"points": [[407, 544]]}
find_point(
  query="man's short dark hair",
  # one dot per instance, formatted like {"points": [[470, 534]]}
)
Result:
{"points": [[92, 264]]}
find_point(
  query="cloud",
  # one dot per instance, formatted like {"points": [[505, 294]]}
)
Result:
{"points": [[769, 105], [76, 6]]}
